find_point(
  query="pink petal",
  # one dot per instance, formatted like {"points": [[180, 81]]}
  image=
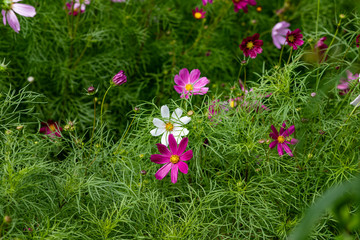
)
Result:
{"points": [[294, 141], [282, 128], [163, 171], [287, 149], [163, 149], [273, 144], [182, 146], [13, 20], [179, 81], [159, 159], [183, 167], [289, 131], [186, 156], [274, 130], [194, 75], [172, 144], [4, 16], [201, 82], [273, 136], [184, 74], [24, 10], [174, 173], [280, 150], [179, 89]]}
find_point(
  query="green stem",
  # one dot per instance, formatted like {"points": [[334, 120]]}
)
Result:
{"points": [[317, 19], [94, 123], [289, 56], [282, 49], [332, 41], [102, 105], [117, 149]]}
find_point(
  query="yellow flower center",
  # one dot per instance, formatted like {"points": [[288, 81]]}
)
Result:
{"points": [[281, 139], [52, 127], [174, 159], [232, 103], [197, 15], [250, 45], [169, 126], [189, 87], [291, 38]]}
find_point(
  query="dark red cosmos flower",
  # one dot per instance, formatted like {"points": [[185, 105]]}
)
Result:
{"points": [[51, 128], [358, 40], [242, 4], [294, 38], [251, 46]]}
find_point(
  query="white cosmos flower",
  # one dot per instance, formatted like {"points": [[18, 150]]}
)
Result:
{"points": [[170, 125]]}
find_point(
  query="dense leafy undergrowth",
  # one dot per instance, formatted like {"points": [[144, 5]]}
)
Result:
{"points": [[87, 174]]}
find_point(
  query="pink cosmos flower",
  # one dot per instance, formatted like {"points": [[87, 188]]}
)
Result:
{"points": [[78, 6], [206, 1], [51, 128], [251, 46], [242, 4], [358, 40], [294, 38], [12, 7], [120, 78], [344, 85], [278, 33], [282, 138], [198, 14], [320, 48], [190, 84], [173, 158]]}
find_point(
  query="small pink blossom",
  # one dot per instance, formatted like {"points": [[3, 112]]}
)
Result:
{"points": [[190, 84], [206, 1], [344, 85], [198, 13], [282, 138], [120, 78], [174, 159], [278, 33], [78, 6], [294, 38], [320, 48], [242, 4], [51, 128], [19, 8]]}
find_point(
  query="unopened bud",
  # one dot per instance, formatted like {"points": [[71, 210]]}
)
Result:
{"points": [[7, 219], [91, 89]]}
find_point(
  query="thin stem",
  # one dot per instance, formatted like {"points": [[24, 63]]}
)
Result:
{"points": [[282, 49], [102, 105], [332, 41], [117, 149], [317, 19], [81, 55], [94, 123], [289, 56], [244, 80]]}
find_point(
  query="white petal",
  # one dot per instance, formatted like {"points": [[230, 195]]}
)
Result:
{"points": [[180, 131], [177, 114], [356, 102], [178, 139], [158, 123], [165, 113], [164, 139], [185, 120], [157, 131]]}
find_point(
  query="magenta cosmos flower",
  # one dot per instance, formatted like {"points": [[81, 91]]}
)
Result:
{"points": [[251, 46], [278, 33], [173, 158], [358, 40], [344, 85], [78, 6], [282, 139], [198, 14], [242, 4], [51, 128], [120, 78], [10, 7], [320, 48], [190, 84], [294, 38], [206, 1]]}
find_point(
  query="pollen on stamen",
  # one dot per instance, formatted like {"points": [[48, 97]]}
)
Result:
{"points": [[169, 126], [174, 159], [250, 45], [281, 139], [189, 87]]}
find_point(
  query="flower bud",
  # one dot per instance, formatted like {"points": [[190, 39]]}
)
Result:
{"points": [[143, 172], [7, 219], [30, 79], [19, 127], [119, 78], [90, 89]]}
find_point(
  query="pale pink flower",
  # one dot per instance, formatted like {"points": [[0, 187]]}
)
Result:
{"points": [[190, 84], [206, 1], [78, 6], [278, 33], [19, 8]]}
